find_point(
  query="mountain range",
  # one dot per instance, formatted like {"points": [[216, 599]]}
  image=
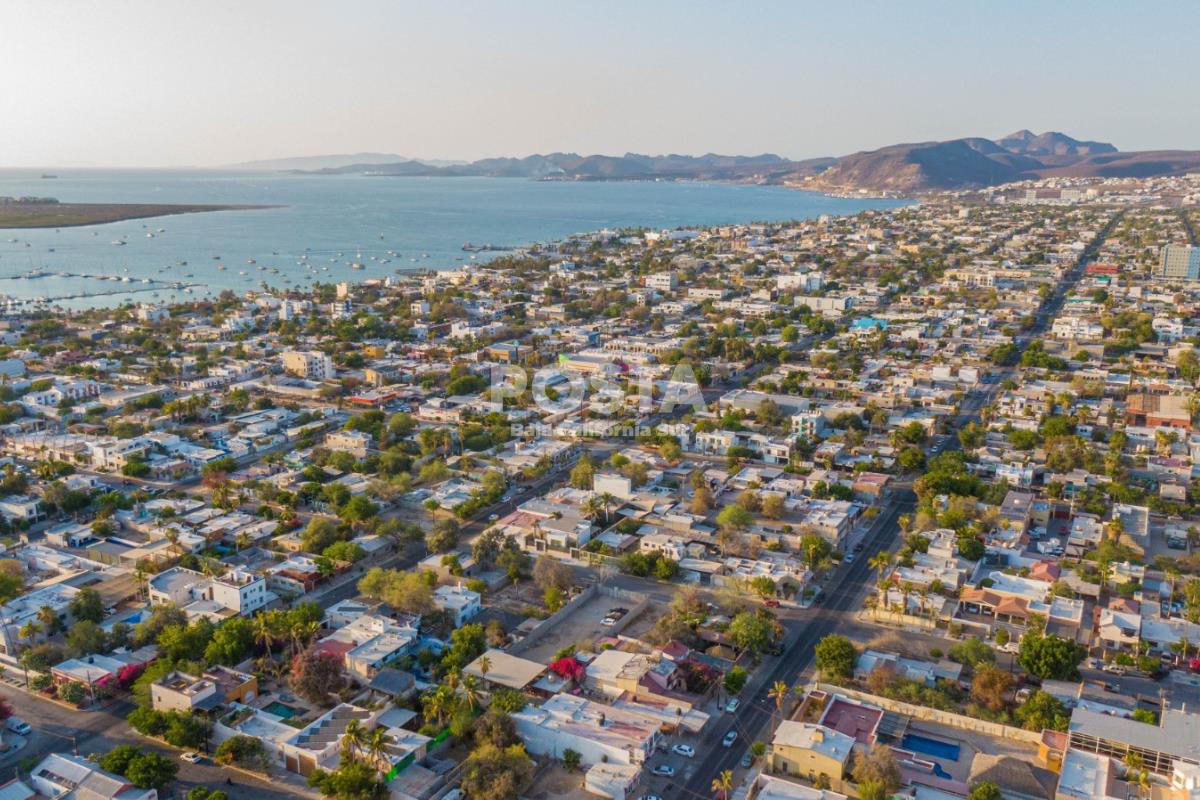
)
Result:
{"points": [[969, 162]]}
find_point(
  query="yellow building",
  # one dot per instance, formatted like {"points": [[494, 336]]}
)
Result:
{"points": [[805, 750]]}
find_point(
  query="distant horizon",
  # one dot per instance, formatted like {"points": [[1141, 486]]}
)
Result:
{"points": [[145, 84], [615, 153]]}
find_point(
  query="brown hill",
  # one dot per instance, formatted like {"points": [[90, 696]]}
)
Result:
{"points": [[977, 162]]}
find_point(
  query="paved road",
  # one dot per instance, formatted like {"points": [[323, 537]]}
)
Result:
{"points": [[754, 719], [59, 729]]}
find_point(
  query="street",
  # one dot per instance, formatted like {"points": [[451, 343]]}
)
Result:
{"points": [[59, 729]]}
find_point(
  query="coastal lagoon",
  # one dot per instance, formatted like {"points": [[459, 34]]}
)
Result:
{"points": [[325, 223]]}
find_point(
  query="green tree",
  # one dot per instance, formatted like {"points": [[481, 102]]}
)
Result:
{"points": [[835, 657], [86, 606], [972, 652], [352, 780], [985, 790], [146, 770], [736, 679], [1050, 657], [493, 773], [1042, 711], [752, 631]]}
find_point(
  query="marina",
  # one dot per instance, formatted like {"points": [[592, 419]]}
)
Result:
{"points": [[332, 228]]}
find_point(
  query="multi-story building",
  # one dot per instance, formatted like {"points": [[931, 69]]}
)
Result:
{"points": [[197, 594], [805, 750], [309, 364], [1180, 262]]}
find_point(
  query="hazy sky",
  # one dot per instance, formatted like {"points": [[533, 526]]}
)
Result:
{"points": [[175, 82]]}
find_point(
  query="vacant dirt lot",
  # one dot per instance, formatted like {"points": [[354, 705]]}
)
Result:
{"points": [[582, 625]]}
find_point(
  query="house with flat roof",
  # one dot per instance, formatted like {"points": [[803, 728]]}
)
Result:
{"points": [[63, 776], [806, 750], [179, 691], [1174, 740], [458, 601], [599, 733]]}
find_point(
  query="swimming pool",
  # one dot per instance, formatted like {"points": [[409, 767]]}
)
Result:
{"points": [[280, 710], [931, 747]]}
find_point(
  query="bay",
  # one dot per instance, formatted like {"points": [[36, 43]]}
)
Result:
{"points": [[326, 222]]}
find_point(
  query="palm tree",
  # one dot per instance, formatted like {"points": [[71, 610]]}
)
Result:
{"points": [[723, 784], [592, 506], [29, 631], [264, 631], [779, 692], [607, 501], [880, 562], [485, 666], [49, 619], [354, 738], [470, 691], [439, 704], [375, 745]]}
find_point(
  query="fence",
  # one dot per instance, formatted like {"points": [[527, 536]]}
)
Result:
{"points": [[947, 718], [578, 601]]}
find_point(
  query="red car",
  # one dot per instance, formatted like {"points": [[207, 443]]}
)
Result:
{"points": [[771, 603]]}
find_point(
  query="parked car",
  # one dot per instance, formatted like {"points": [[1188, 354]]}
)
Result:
{"points": [[771, 602], [747, 760], [192, 757], [732, 705], [1114, 668], [729, 739], [685, 750], [849, 559], [1094, 663], [18, 726], [858, 548], [666, 770], [649, 797]]}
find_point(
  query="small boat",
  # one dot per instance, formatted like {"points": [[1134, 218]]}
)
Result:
{"points": [[356, 265], [251, 261], [118, 242]]}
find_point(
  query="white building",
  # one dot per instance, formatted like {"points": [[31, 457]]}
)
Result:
{"points": [[461, 603], [68, 777], [236, 591], [599, 733]]}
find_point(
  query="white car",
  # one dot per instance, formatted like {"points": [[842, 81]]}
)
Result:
{"points": [[666, 770], [192, 757], [732, 705], [684, 750], [729, 739], [18, 726]]}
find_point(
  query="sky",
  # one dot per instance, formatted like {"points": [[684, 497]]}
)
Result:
{"points": [[181, 83]]}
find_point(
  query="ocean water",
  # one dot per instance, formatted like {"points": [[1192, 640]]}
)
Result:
{"points": [[325, 222]]}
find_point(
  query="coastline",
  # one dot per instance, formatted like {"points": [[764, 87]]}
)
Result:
{"points": [[17, 216]]}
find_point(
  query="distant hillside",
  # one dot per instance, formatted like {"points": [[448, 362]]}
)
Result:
{"points": [[901, 168], [977, 162], [631, 166], [320, 162], [1051, 143]]}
